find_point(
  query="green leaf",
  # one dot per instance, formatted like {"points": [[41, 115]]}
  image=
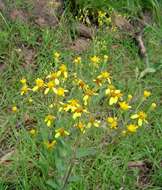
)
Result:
{"points": [[52, 184], [146, 71], [83, 152]]}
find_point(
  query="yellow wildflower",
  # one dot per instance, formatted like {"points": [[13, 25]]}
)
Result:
{"points": [[23, 81], [78, 112], [141, 116], [39, 84], [61, 132], [87, 95], [153, 105], [124, 106], [81, 127], [49, 119], [129, 97], [98, 81], [95, 60], [30, 100], [77, 60], [50, 86], [60, 91], [146, 94], [81, 84], [114, 94], [105, 76], [54, 76], [106, 57], [24, 89], [14, 109], [50, 144], [56, 56], [33, 132], [93, 122], [63, 71], [132, 128], [112, 121]]}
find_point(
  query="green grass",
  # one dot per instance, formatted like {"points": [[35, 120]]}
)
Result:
{"points": [[107, 166]]}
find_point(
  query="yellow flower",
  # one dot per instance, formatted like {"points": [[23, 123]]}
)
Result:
{"points": [[141, 116], [30, 100], [98, 81], [77, 60], [14, 109], [56, 56], [23, 81], [124, 106], [114, 94], [153, 105], [24, 89], [95, 60], [78, 112], [81, 84], [49, 119], [87, 95], [63, 71], [33, 132], [50, 144], [60, 91], [146, 94], [72, 105], [132, 128], [39, 84], [112, 121], [54, 76], [50, 86], [105, 76], [93, 122], [81, 127], [129, 97], [61, 132], [106, 57]]}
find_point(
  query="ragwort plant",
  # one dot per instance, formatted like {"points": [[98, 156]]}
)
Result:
{"points": [[65, 107]]}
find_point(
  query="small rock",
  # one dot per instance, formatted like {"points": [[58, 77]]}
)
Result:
{"points": [[80, 45], [19, 15], [84, 31]]}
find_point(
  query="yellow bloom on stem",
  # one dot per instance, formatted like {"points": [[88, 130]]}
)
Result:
{"points": [[105, 76], [78, 112], [95, 60], [124, 106], [24, 89], [56, 56], [141, 116], [89, 93], [129, 97], [39, 84], [81, 84], [49, 119], [23, 81], [112, 122], [93, 122], [50, 144], [50, 86], [33, 132], [98, 81], [61, 132], [60, 91], [14, 109], [72, 105], [54, 76], [77, 60], [81, 127], [63, 71], [146, 94], [114, 95], [153, 105], [132, 128]]}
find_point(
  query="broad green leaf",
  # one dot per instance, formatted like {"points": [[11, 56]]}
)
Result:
{"points": [[146, 71]]}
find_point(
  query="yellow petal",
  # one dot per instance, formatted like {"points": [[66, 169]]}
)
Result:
{"points": [[113, 100], [135, 116], [46, 91], [35, 88], [140, 122], [57, 135], [48, 123]]}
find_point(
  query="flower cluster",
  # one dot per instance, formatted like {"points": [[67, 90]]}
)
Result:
{"points": [[74, 103]]}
